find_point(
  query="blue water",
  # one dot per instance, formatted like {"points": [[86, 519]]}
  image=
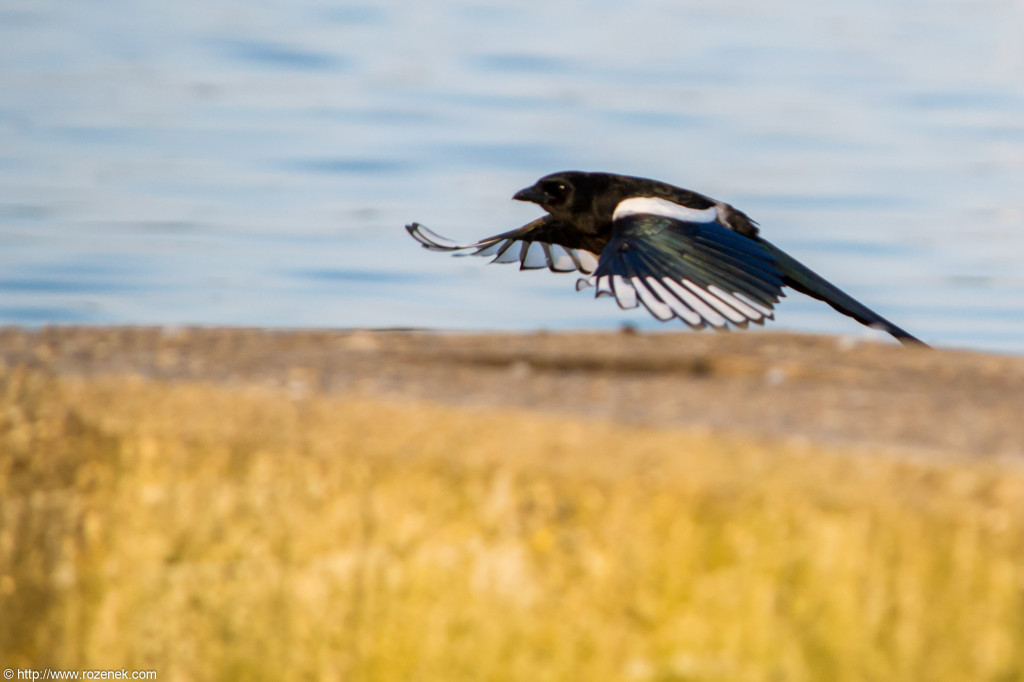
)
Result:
{"points": [[253, 163]]}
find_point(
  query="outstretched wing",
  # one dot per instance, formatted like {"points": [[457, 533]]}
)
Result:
{"points": [[701, 272], [538, 244]]}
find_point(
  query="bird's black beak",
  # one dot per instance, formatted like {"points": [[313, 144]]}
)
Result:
{"points": [[532, 194]]}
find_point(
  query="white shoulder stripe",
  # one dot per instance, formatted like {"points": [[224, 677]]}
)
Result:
{"points": [[664, 207]]}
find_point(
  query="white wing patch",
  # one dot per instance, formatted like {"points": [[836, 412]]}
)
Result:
{"points": [[678, 307], [655, 305], [697, 305], [625, 294], [741, 307], [559, 259], [766, 312], [715, 302], [508, 253], [664, 207], [704, 312], [585, 260], [533, 257]]}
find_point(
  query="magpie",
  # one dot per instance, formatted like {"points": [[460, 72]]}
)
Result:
{"points": [[678, 253]]}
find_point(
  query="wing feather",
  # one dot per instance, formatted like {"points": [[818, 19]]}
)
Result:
{"points": [[542, 243], [701, 272]]}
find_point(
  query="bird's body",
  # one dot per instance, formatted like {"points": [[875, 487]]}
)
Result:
{"points": [[677, 252]]}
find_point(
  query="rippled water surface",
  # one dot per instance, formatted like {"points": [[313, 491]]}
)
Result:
{"points": [[253, 163]]}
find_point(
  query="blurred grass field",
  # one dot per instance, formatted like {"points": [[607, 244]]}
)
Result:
{"points": [[221, 533]]}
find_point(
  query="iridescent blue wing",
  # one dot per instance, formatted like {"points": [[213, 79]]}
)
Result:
{"points": [[701, 272]]}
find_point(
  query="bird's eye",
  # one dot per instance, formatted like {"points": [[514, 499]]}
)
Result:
{"points": [[556, 189]]}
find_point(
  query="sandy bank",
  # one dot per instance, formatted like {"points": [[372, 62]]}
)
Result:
{"points": [[825, 390]]}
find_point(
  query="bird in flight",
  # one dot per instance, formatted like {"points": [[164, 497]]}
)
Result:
{"points": [[677, 253]]}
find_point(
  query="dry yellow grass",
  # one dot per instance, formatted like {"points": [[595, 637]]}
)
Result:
{"points": [[219, 533]]}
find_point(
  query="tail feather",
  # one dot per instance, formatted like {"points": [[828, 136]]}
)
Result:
{"points": [[806, 281]]}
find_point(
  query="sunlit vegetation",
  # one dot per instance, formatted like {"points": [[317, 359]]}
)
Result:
{"points": [[225, 533]]}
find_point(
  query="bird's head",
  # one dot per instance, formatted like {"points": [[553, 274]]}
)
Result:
{"points": [[583, 200]]}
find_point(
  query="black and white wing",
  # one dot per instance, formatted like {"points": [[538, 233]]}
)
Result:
{"points": [[543, 243], [680, 262]]}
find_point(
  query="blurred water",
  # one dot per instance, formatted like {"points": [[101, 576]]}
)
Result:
{"points": [[252, 163]]}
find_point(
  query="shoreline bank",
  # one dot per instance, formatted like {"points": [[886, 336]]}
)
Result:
{"points": [[830, 391]]}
